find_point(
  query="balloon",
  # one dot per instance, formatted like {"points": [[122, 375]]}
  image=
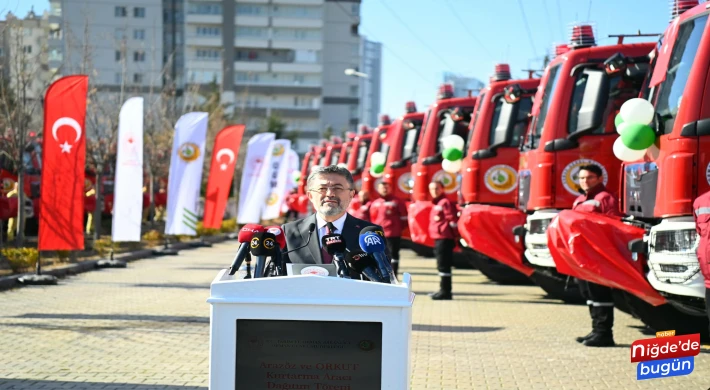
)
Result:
{"points": [[452, 141], [379, 168], [637, 136], [625, 154], [378, 158], [637, 110], [653, 152], [620, 127], [452, 154], [618, 120], [373, 173], [296, 176], [451, 166]]}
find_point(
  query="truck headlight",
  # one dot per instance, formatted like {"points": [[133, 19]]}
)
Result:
{"points": [[538, 226], [674, 241]]}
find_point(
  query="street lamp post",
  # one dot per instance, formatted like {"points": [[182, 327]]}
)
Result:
{"points": [[354, 72]]}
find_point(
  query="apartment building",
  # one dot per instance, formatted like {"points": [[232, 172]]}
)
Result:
{"points": [[370, 87]]}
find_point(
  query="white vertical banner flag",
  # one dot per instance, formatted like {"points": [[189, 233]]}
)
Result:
{"points": [[294, 165], [128, 183], [185, 178], [278, 175], [255, 178]]}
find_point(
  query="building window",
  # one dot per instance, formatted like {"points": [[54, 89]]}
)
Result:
{"points": [[354, 91], [138, 56], [119, 78], [355, 9], [120, 12], [119, 34], [207, 54], [137, 78], [209, 31], [27, 49], [139, 12], [205, 9], [243, 31], [118, 55], [139, 34], [254, 10]]}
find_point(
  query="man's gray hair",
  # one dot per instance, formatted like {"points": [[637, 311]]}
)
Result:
{"points": [[331, 170]]}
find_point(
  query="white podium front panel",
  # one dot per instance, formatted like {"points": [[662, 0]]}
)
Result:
{"points": [[309, 332]]}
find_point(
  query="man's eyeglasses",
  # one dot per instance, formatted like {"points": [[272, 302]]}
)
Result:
{"points": [[337, 190]]}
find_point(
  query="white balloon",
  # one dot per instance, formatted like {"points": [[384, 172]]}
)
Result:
{"points": [[653, 152], [621, 127], [377, 158], [451, 166], [625, 154], [637, 110], [452, 141]]}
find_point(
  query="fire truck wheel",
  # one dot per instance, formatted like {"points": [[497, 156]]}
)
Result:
{"points": [[494, 270], [558, 286]]}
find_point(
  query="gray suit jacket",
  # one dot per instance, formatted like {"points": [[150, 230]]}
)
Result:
{"points": [[296, 233]]}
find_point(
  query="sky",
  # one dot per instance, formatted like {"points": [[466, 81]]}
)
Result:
{"points": [[424, 38]]}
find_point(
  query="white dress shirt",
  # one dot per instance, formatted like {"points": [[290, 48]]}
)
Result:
{"points": [[322, 230]]}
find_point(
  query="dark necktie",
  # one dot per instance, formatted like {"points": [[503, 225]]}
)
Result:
{"points": [[327, 258]]}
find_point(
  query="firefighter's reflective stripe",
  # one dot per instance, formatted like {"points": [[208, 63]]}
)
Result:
{"points": [[702, 211], [598, 304], [592, 202]]}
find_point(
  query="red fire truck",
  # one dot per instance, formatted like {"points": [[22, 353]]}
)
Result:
{"points": [[658, 271], [402, 138], [490, 175], [572, 125], [449, 115], [378, 144]]}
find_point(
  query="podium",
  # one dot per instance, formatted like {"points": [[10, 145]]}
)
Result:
{"points": [[309, 332]]}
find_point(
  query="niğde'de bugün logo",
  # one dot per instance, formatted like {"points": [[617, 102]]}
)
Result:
{"points": [[189, 152]]}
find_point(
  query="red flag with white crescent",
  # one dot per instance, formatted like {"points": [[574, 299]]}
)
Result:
{"points": [[224, 158], [61, 212]]}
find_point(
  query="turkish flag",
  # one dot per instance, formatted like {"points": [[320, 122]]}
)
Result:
{"points": [[61, 217], [224, 158]]}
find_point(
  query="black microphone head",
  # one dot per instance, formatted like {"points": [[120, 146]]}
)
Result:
{"points": [[359, 260], [375, 229], [333, 243], [263, 244]]}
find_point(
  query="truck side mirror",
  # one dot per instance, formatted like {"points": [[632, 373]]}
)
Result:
{"points": [[398, 164], [519, 230], [483, 154], [591, 112], [435, 159], [560, 144]]}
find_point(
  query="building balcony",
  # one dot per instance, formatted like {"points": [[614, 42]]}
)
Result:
{"points": [[203, 40], [252, 42], [203, 18], [193, 62], [251, 21], [297, 68], [294, 22], [297, 44], [247, 66], [299, 2]]}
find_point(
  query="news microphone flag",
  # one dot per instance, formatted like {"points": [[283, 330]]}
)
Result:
{"points": [[185, 178], [278, 175], [255, 178], [128, 182], [61, 217]]}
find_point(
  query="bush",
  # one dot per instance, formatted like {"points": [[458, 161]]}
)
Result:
{"points": [[63, 255], [103, 246], [229, 226], [153, 235], [20, 259], [202, 231]]}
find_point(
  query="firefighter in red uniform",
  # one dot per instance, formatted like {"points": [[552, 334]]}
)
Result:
{"points": [[597, 199], [441, 229], [389, 212], [701, 213], [291, 202], [361, 210]]}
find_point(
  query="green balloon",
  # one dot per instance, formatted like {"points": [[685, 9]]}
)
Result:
{"points": [[379, 168], [618, 120], [452, 154], [637, 136]]}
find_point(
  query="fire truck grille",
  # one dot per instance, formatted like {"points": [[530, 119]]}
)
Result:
{"points": [[676, 273]]}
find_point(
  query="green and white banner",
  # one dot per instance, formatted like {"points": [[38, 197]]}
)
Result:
{"points": [[185, 176]]}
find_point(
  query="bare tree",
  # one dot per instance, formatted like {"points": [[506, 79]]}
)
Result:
{"points": [[24, 80]]}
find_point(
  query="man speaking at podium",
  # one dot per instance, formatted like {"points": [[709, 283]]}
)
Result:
{"points": [[330, 190]]}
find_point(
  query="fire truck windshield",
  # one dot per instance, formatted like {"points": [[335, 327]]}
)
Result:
{"points": [[384, 149], [481, 102], [362, 154], [415, 152], [670, 91], [410, 140], [335, 155], [503, 114], [547, 93], [449, 126]]}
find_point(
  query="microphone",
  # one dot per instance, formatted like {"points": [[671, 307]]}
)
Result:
{"points": [[311, 228], [373, 229], [277, 257], [262, 245], [245, 236], [334, 244], [374, 245], [363, 263]]}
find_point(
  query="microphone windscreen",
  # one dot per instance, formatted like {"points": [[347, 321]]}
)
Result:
{"points": [[263, 244], [359, 260], [372, 242], [333, 243], [373, 229], [248, 231], [280, 237]]}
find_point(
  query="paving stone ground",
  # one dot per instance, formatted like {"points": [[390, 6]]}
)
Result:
{"points": [[147, 328]]}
